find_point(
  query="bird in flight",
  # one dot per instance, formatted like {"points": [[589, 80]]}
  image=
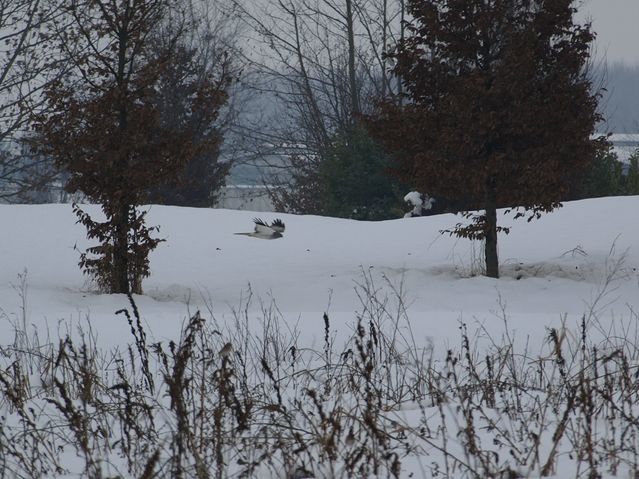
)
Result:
{"points": [[264, 231]]}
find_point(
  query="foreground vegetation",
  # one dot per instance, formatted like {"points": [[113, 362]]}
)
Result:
{"points": [[229, 401]]}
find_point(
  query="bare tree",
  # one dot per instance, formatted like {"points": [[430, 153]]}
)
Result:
{"points": [[26, 67], [318, 63]]}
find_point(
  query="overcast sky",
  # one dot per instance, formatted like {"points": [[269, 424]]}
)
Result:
{"points": [[617, 25]]}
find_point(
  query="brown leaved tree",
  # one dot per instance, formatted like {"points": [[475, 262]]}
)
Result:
{"points": [[499, 107], [104, 126]]}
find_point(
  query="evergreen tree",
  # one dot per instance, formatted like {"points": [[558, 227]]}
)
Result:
{"points": [[198, 183], [632, 177], [499, 107], [354, 174], [603, 178]]}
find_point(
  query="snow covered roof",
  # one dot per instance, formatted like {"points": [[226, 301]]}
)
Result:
{"points": [[623, 144], [625, 138]]}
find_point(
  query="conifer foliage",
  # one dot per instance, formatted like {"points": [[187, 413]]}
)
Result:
{"points": [[499, 108], [104, 125]]}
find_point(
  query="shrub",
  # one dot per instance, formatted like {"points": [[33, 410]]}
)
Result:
{"points": [[355, 178]]}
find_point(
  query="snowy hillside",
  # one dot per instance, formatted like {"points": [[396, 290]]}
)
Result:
{"points": [[549, 267], [580, 262]]}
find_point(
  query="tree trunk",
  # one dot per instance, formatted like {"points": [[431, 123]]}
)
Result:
{"points": [[490, 249], [352, 75], [402, 27], [121, 215], [384, 47], [121, 251], [318, 127]]}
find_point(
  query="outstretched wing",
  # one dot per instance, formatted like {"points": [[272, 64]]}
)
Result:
{"points": [[278, 225], [262, 228]]}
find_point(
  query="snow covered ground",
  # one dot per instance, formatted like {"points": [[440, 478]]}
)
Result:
{"points": [[550, 267], [581, 260]]}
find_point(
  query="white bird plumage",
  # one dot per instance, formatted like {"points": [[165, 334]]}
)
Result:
{"points": [[264, 231]]}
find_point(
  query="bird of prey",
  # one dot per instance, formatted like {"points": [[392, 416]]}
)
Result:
{"points": [[264, 231]]}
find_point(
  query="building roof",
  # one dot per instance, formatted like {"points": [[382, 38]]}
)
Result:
{"points": [[624, 145]]}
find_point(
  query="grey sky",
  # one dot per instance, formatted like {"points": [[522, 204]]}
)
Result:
{"points": [[617, 25]]}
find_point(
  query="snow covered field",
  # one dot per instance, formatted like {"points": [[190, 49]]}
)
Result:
{"points": [[549, 267], [580, 262]]}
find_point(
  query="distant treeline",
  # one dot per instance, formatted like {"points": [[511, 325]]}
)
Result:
{"points": [[620, 101]]}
